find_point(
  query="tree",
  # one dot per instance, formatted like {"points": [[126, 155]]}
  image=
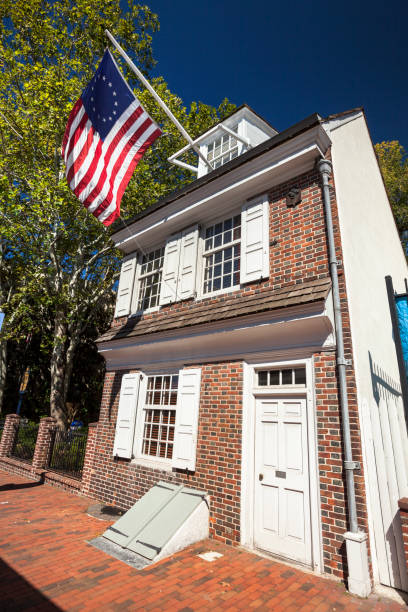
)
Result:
{"points": [[394, 167], [61, 264]]}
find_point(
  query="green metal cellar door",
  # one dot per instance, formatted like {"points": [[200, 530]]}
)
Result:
{"points": [[149, 525]]}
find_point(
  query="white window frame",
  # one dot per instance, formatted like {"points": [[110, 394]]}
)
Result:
{"points": [[220, 136], [202, 254], [139, 457], [278, 388], [135, 311]]}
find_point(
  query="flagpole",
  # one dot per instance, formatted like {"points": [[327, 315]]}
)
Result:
{"points": [[159, 101]]}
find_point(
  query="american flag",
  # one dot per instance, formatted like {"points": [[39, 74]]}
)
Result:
{"points": [[107, 134]]}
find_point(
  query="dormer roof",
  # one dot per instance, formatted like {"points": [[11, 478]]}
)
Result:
{"points": [[236, 134]]}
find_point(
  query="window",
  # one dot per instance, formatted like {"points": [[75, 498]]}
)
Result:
{"points": [[150, 277], [222, 254], [160, 416], [283, 377], [223, 149]]}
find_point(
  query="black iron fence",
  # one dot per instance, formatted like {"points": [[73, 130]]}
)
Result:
{"points": [[24, 441], [67, 452]]}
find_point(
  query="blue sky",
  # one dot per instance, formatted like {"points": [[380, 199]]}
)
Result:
{"points": [[288, 59]]}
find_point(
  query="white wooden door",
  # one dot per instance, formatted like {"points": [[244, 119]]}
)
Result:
{"points": [[282, 522]]}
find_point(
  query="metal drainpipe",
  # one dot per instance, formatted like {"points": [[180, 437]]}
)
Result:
{"points": [[325, 168]]}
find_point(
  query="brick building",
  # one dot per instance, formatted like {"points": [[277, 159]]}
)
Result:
{"points": [[225, 359]]}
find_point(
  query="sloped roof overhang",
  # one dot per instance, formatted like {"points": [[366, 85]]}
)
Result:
{"points": [[274, 161], [297, 317]]}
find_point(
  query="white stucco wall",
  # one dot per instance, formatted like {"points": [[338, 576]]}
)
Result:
{"points": [[371, 251]]}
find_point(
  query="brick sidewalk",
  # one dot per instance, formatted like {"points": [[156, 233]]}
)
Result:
{"points": [[46, 565]]}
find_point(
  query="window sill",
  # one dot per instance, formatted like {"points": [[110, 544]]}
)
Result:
{"points": [[140, 313], [205, 296], [152, 464]]}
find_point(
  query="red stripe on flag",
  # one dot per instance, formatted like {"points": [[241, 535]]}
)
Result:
{"points": [[91, 170], [136, 159], [71, 118], [77, 135], [80, 158], [132, 140], [108, 154], [125, 181]]}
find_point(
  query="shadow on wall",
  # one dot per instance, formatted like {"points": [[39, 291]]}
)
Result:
{"points": [[389, 469], [18, 594], [114, 392], [383, 385]]}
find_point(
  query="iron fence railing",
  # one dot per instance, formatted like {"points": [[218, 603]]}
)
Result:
{"points": [[24, 441], [67, 452]]}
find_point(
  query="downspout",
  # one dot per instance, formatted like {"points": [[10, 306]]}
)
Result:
{"points": [[325, 168]]}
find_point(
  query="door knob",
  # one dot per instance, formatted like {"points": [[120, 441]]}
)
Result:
{"points": [[260, 476]]}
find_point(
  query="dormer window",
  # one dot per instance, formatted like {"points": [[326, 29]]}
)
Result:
{"points": [[222, 150], [228, 139]]}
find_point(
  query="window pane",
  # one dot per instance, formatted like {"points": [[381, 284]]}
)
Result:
{"points": [[286, 377], [262, 378], [219, 266], [300, 376], [149, 285], [217, 240], [274, 377], [227, 237], [222, 150], [158, 431]]}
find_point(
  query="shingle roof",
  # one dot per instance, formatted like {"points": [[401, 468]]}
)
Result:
{"points": [[232, 306]]}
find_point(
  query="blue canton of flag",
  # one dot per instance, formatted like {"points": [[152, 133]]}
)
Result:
{"points": [[107, 134]]}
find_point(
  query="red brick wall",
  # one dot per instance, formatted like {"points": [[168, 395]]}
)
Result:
{"points": [[298, 245], [298, 252], [218, 464], [403, 512]]}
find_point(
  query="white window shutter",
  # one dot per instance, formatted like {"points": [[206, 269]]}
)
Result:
{"points": [[125, 288], [255, 240], [168, 289], [185, 436], [126, 419], [136, 286], [188, 263]]}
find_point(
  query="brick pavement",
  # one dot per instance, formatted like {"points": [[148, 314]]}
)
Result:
{"points": [[46, 565]]}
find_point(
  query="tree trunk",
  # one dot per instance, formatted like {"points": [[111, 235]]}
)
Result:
{"points": [[58, 365], [69, 360], [3, 370]]}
